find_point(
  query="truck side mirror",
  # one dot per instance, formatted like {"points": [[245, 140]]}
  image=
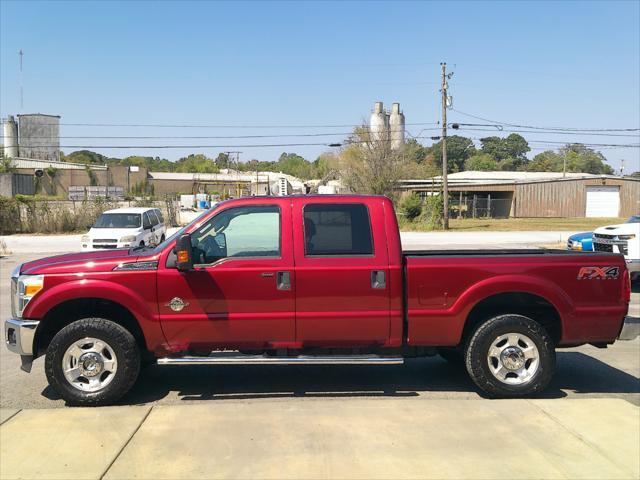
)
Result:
{"points": [[184, 261]]}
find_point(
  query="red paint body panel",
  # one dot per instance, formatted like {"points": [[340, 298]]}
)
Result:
{"points": [[234, 303]]}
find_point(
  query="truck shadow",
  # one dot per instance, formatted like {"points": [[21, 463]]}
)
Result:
{"points": [[577, 374]]}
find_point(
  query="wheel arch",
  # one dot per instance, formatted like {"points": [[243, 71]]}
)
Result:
{"points": [[533, 305], [68, 311]]}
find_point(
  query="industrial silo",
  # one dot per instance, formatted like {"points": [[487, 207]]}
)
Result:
{"points": [[396, 127], [379, 123], [10, 132]]}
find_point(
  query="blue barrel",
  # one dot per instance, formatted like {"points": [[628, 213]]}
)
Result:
{"points": [[202, 204]]}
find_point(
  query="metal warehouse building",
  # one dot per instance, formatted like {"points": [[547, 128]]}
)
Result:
{"points": [[536, 194]]}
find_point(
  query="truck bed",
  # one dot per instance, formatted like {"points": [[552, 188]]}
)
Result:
{"points": [[444, 286]]}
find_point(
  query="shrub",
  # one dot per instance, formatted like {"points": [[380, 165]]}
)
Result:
{"points": [[9, 216], [433, 212], [411, 206]]}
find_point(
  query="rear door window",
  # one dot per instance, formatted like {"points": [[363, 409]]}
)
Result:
{"points": [[146, 221], [337, 230], [153, 217]]}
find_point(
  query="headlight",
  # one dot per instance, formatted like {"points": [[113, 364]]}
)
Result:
{"points": [[128, 239], [85, 239], [576, 245], [27, 286], [626, 237]]}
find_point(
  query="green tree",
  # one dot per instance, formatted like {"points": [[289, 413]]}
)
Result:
{"points": [[510, 152], [222, 160], [459, 149], [576, 157], [196, 163], [481, 161]]}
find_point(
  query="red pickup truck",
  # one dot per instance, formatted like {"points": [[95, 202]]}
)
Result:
{"points": [[308, 280]]}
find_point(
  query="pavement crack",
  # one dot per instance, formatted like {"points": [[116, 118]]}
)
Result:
{"points": [[125, 444], [581, 438], [10, 417]]}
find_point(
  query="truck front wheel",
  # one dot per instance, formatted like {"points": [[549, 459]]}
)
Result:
{"points": [[92, 362], [510, 356]]}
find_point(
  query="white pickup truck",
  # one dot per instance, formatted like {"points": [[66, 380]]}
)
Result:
{"points": [[623, 238]]}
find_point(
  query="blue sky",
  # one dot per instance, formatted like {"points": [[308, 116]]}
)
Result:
{"points": [[573, 64]]}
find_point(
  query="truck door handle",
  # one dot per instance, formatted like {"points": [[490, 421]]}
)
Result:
{"points": [[283, 280], [378, 279]]}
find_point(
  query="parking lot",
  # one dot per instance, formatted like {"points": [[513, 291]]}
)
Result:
{"points": [[583, 372], [405, 421]]}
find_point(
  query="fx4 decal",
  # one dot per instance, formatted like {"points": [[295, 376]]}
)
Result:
{"points": [[598, 273]]}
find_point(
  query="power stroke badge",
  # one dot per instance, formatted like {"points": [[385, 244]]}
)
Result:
{"points": [[598, 273], [176, 304]]}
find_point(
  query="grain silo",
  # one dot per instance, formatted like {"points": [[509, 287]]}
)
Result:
{"points": [[396, 127], [10, 132], [39, 136]]}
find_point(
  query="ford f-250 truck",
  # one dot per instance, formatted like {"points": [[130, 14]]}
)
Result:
{"points": [[308, 280]]}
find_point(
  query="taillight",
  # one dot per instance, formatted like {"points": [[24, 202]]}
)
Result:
{"points": [[626, 286]]}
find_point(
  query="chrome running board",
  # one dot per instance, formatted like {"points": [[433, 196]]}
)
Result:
{"points": [[239, 359]]}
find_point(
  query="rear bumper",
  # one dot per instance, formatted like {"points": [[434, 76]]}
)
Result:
{"points": [[630, 329], [19, 335]]}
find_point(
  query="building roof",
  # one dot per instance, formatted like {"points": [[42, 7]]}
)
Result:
{"points": [[473, 176], [35, 163], [37, 115], [226, 175]]}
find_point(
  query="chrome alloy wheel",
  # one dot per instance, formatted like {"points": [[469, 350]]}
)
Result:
{"points": [[89, 364], [513, 358]]}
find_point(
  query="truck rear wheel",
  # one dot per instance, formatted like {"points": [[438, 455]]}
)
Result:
{"points": [[510, 356], [92, 362]]}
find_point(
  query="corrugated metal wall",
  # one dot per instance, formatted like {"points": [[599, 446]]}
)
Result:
{"points": [[568, 198]]}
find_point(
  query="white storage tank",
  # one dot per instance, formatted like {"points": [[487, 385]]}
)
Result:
{"points": [[10, 132], [396, 127], [379, 123]]}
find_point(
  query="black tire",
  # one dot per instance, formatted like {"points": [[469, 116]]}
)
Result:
{"points": [[477, 352], [118, 338], [452, 355], [142, 244], [162, 238]]}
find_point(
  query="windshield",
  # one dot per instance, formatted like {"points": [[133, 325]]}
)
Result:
{"points": [[118, 220], [633, 219]]}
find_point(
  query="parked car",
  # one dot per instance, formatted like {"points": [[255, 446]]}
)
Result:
{"points": [[624, 239], [312, 279], [580, 241], [125, 228]]}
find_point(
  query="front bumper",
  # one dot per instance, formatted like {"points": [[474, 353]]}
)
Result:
{"points": [[19, 335], [630, 329]]}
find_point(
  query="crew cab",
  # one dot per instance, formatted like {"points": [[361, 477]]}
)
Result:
{"points": [[309, 280]]}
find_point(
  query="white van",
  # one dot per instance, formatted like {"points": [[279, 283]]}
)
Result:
{"points": [[125, 228]]}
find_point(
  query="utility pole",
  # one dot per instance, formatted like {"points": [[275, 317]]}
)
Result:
{"points": [[445, 186]]}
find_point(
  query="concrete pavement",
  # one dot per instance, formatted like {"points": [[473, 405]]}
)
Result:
{"points": [[328, 438]]}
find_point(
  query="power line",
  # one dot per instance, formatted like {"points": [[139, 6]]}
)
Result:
{"points": [[554, 132], [158, 125], [164, 137], [570, 129]]}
